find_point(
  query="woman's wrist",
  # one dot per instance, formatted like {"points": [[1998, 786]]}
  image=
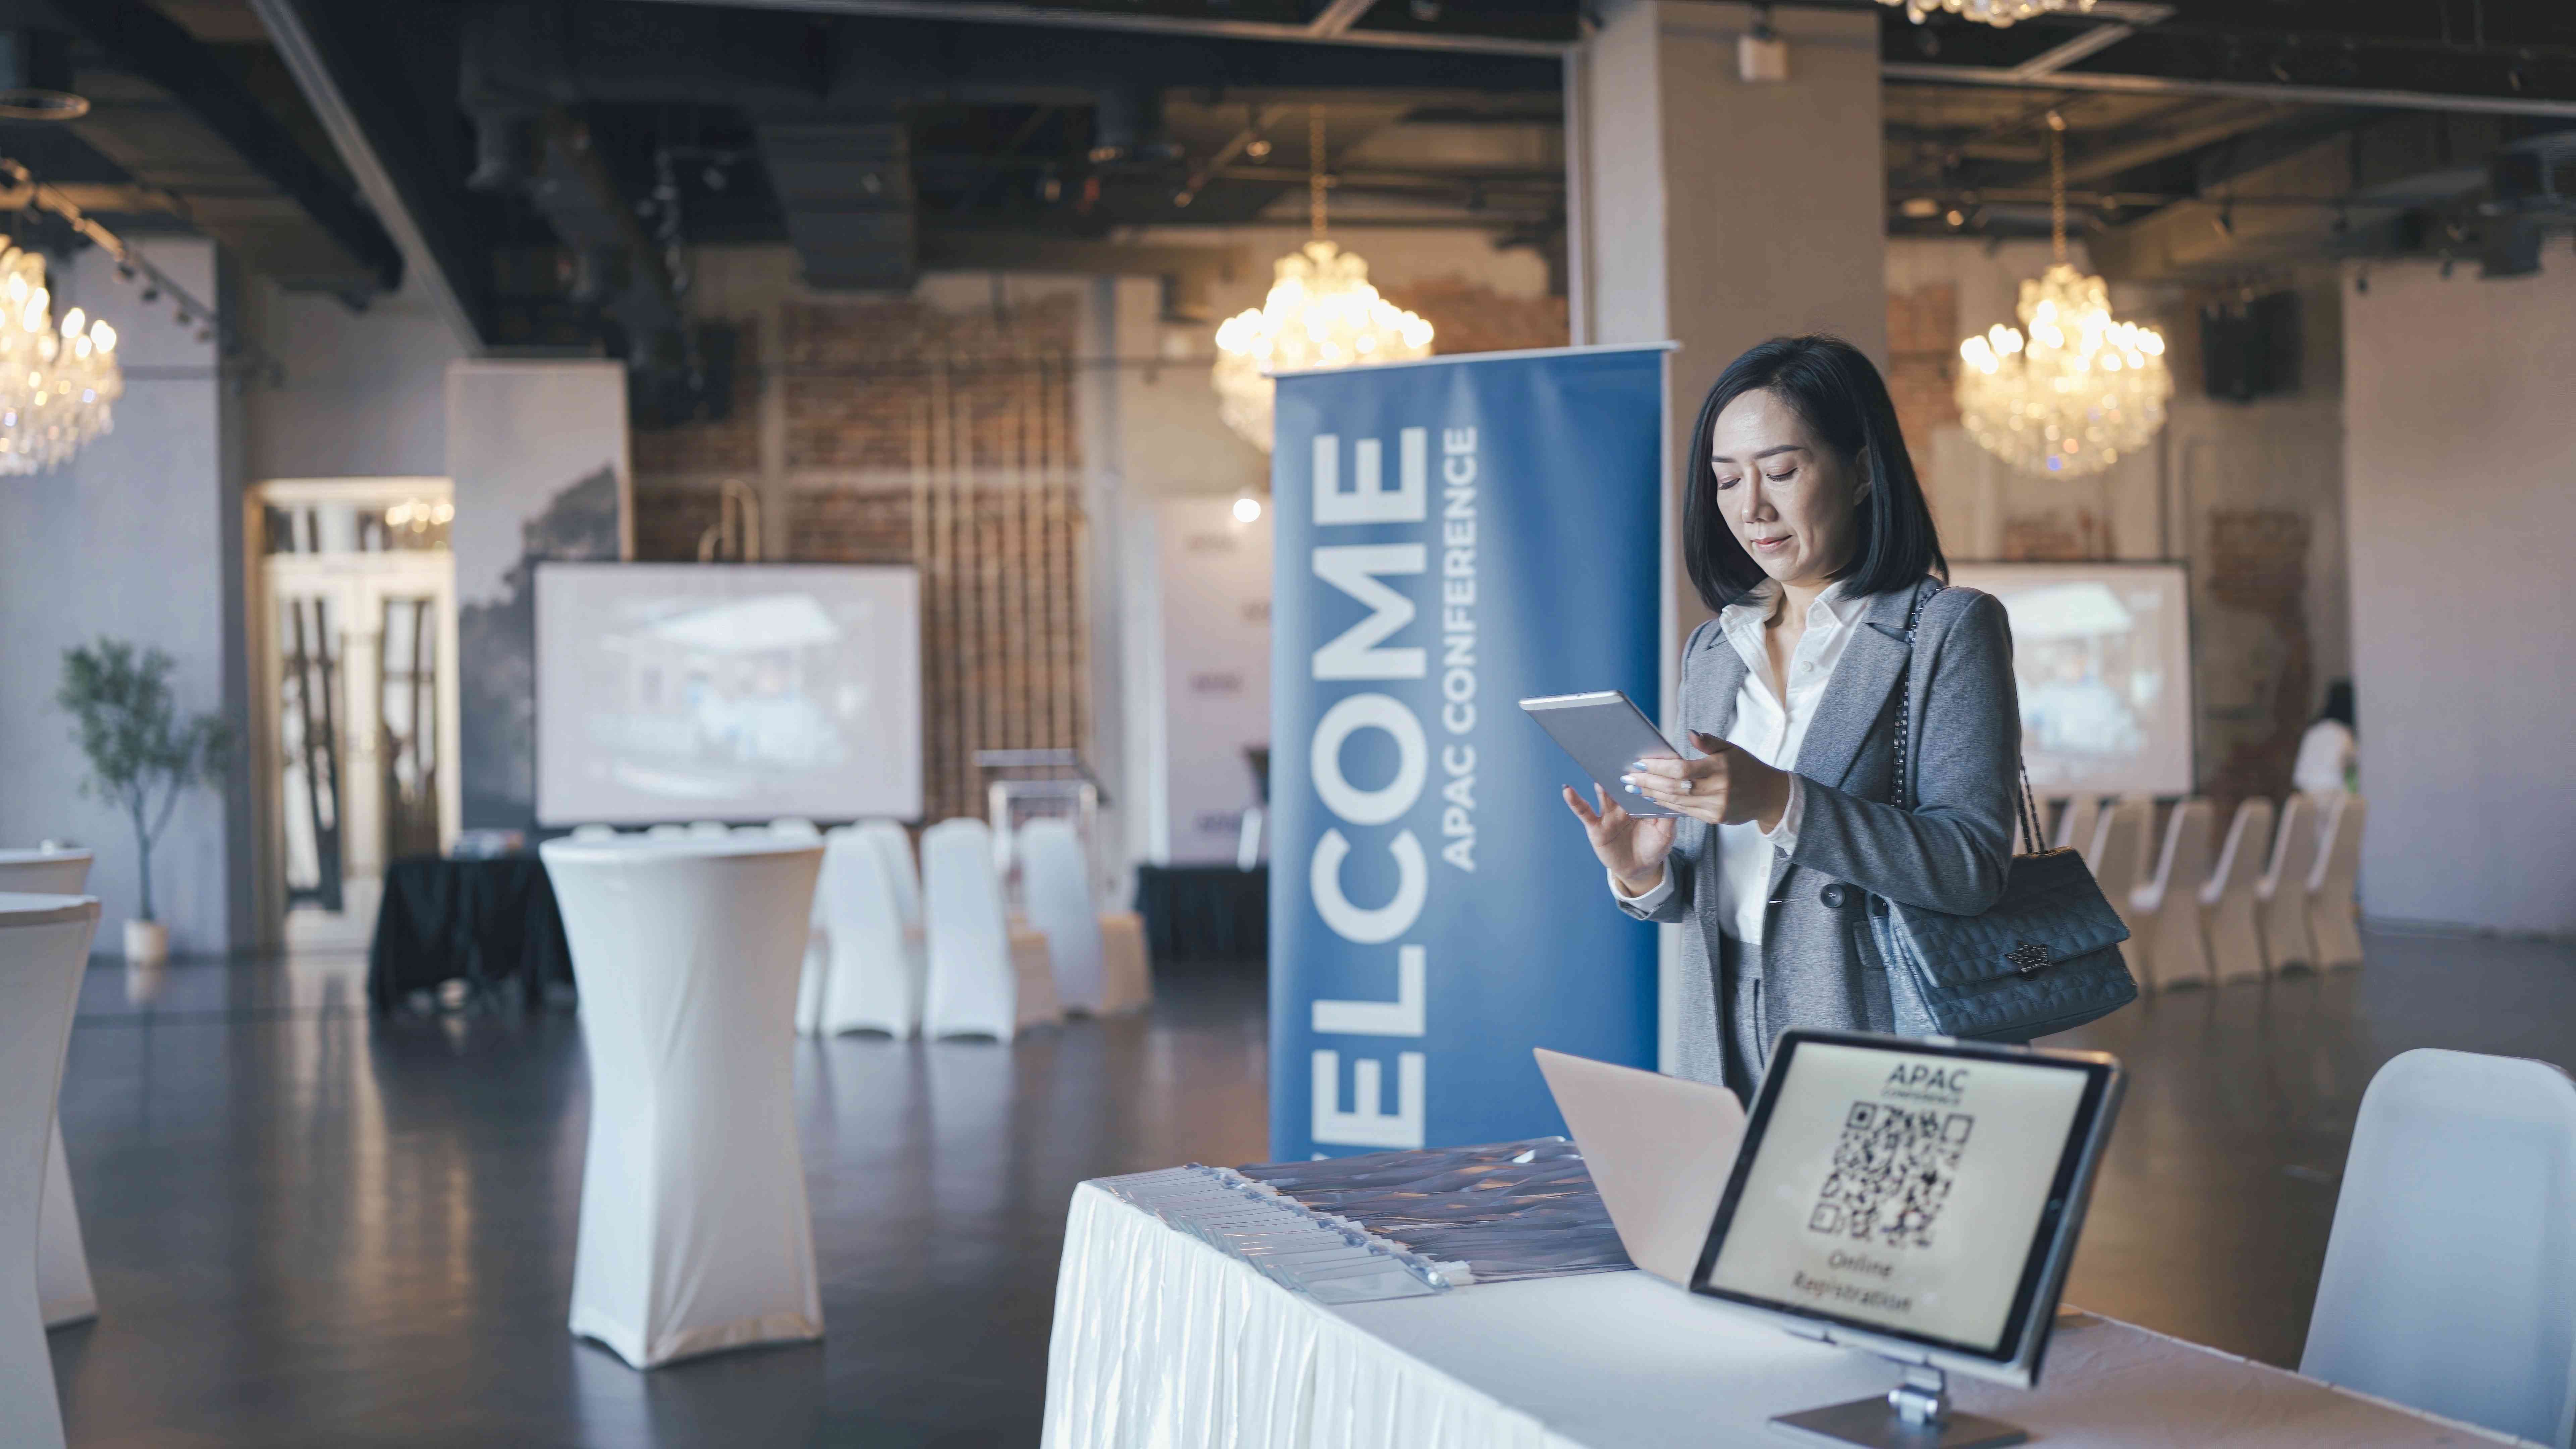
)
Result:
{"points": [[1638, 885]]}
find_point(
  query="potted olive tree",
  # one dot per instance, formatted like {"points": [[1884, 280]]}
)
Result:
{"points": [[142, 756]]}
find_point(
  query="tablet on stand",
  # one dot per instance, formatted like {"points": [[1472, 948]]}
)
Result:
{"points": [[1915, 1198]]}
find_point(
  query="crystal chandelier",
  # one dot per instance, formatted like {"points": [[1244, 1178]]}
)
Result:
{"points": [[1321, 312], [1997, 13], [58, 387], [2084, 389]]}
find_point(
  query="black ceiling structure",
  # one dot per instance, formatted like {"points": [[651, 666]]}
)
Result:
{"points": [[556, 161]]}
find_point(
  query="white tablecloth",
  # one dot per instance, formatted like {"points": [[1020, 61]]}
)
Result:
{"points": [[1160, 1340], [694, 1230]]}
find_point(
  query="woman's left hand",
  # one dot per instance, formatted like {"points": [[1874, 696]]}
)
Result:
{"points": [[1725, 786]]}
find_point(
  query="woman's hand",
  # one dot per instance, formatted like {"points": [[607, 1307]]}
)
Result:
{"points": [[1632, 846], [1725, 786]]}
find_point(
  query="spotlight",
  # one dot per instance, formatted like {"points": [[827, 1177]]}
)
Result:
{"points": [[125, 270], [1247, 509], [1184, 198], [1919, 207], [1956, 218], [151, 293], [1257, 148]]}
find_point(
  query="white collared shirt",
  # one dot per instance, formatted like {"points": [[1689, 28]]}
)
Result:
{"points": [[1770, 724]]}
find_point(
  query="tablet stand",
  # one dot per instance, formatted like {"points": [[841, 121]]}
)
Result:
{"points": [[1916, 1414]]}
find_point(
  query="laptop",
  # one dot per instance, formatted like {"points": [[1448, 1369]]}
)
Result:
{"points": [[1659, 1149]]}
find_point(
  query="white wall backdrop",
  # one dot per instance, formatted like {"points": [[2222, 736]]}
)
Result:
{"points": [[1214, 571], [2461, 499], [139, 538]]}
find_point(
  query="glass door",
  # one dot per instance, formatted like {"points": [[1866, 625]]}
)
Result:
{"points": [[356, 604]]}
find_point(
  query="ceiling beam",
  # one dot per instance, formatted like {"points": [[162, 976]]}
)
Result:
{"points": [[154, 46], [1338, 17], [1003, 12], [2155, 85], [444, 253], [2100, 38]]}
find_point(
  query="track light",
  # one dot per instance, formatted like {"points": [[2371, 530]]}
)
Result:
{"points": [[151, 293]]}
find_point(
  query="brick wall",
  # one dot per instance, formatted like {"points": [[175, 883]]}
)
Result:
{"points": [[939, 439]]}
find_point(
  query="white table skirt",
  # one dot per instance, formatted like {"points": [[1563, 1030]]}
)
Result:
{"points": [[1160, 1340]]}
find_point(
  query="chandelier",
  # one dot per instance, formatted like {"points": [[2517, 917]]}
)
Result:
{"points": [[58, 387], [1321, 312], [2084, 389], [1997, 13]]}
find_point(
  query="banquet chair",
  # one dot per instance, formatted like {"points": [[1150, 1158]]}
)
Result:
{"points": [[897, 847], [2075, 825], [44, 947], [1055, 880], [667, 831], [2450, 1277], [872, 970], [62, 1265], [2281, 896], [2118, 857], [707, 829], [794, 827], [2177, 955], [986, 977], [2334, 917], [2227, 900], [594, 832]]}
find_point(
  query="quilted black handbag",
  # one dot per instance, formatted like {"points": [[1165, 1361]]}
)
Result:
{"points": [[2044, 958]]}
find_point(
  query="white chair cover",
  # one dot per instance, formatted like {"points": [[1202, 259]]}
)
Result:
{"points": [[1055, 880], [2076, 824], [708, 829], [695, 1234], [2176, 953], [897, 846], [2227, 901], [2281, 896], [873, 971], [2334, 916], [44, 947], [981, 983], [2450, 1276], [594, 832], [62, 1255], [2119, 860], [667, 831], [795, 827], [1126, 974]]}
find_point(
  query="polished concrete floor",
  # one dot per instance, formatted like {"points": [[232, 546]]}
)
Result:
{"points": [[310, 1228]]}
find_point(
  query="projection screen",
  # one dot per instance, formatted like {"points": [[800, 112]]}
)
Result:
{"points": [[2102, 655], [734, 692]]}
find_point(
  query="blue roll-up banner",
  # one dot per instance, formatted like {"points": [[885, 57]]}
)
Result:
{"points": [[1453, 536]]}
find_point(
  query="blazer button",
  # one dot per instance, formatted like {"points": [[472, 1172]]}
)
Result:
{"points": [[1832, 896]]}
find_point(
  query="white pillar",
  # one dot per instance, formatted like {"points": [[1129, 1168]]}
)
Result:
{"points": [[1716, 212]]}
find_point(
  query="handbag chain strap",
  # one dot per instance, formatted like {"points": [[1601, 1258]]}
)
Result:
{"points": [[2027, 805]]}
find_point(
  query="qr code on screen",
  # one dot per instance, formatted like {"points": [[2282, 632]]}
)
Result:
{"points": [[1892, 1172]]}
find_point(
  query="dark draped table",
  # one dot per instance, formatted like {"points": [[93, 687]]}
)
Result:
{"points": [[1204, 914], [483, 922]]}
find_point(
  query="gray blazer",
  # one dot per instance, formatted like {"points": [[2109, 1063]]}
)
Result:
{"points": [[1948, 853]]}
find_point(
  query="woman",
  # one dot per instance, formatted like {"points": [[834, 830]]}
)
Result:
{"points": [[1807, 534]]}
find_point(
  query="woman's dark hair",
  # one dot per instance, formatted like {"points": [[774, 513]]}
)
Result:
{"points": [[1833, 385], [2338, 703]]}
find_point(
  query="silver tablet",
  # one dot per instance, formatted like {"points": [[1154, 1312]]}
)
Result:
{"points": [[1605, 733]]}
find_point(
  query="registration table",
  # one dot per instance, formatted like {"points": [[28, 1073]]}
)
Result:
{"points": [[1161, 1339]]}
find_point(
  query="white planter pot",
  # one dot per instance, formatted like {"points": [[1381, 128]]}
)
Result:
{"points": [[147, 943]]}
